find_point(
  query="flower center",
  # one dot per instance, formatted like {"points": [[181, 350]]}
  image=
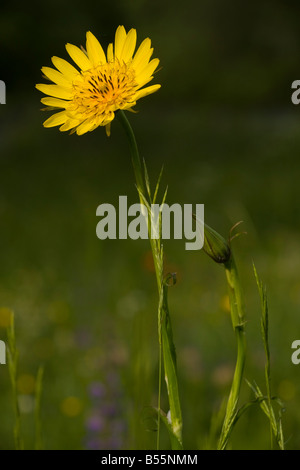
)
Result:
{"points": [[104, 89]]}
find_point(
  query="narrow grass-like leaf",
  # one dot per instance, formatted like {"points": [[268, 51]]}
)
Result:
{"points": [[264, 402], [147, 182], [157, 185], [170, 366], [175, 442], [267, 407]]}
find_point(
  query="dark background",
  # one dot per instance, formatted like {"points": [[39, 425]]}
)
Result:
{"points": [[225, 129]]}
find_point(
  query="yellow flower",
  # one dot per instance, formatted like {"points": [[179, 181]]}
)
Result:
{"points": [[105, 83]]}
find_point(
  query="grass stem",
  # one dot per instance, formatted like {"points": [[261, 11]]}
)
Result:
{"points": [[238, 324]]}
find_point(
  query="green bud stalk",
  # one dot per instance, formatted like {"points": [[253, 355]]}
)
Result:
{"points": [[217, 248]]}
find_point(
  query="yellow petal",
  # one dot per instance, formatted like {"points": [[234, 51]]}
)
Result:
{"points": [[107, 129], [107, 119], [110, 52], [65, 67], [143, 61], [129, 46], [56, 119], [56, 77], [144, 75], [69, 124], [55, 90], [79, 57], [145, 81], [94, 49], [86, 126], [120, 37], [57, 103], [142, 52], [127, 106], [146, 91]]}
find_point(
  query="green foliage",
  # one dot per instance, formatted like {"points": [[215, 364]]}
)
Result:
{"points": [[266, 403], [165, 335]]}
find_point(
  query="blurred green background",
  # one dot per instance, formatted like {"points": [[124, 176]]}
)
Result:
{"points": [[225, 129]]}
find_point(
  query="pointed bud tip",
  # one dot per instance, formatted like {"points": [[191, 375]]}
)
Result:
{"points": [[215, 246]]}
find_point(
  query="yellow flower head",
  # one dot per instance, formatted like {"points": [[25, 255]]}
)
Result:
{"points": [[89, 97]]}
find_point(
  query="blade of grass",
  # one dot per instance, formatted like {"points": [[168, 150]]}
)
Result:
{"points": [[275, 426]]}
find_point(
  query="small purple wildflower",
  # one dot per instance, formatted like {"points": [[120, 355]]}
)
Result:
{"points": [[105, 428]]}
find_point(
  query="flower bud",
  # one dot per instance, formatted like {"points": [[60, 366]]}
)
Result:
{"points": [[216, 246]]}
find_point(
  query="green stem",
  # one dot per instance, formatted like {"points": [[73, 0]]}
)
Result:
{"points": [[138, 173], [136, 161], [164, 331], [238, 324]]}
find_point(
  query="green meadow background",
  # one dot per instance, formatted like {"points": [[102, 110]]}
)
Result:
{"points": [[225, 130]]}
